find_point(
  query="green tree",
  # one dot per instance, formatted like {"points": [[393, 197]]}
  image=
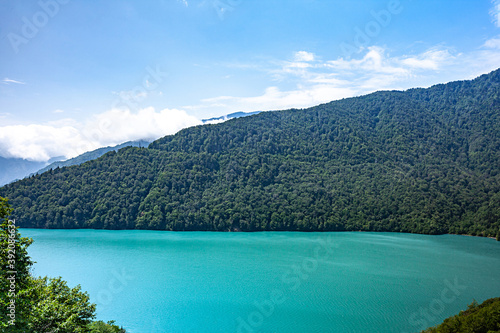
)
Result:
{"points": [[38, 305], [15, 278], [59, 308], [102, 327]]}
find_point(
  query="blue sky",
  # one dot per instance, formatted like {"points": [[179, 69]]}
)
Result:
{"points": [[76, 75]]}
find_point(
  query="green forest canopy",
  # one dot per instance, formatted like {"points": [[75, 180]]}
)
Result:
{"points": [[422, 161], [478, 318]]}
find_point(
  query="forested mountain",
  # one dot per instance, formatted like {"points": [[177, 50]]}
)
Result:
{"points": [[422, 160]]}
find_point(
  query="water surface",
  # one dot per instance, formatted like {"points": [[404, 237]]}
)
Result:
{"points": [[271, 282]]}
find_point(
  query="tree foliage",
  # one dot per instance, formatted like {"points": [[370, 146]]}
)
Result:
{"points": [[483, 318], [422, 161], [15, 278], [101, 327], [36, 304]]}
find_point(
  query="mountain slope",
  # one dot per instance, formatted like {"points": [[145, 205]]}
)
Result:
{"points": [[423, 160]]}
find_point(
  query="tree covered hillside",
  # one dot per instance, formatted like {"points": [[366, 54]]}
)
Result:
{"points": [[422, 160], [478, 318]]}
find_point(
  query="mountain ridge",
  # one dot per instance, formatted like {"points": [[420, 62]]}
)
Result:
{"points": [[238, 114], [420, 160]]}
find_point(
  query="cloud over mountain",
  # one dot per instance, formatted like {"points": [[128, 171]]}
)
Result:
{"points": [[69, 138]]}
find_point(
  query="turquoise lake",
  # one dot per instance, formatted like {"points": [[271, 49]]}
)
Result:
{"points": [[271, 282]]}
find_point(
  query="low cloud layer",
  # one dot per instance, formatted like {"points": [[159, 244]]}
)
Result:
{"points": [[69, 139]]}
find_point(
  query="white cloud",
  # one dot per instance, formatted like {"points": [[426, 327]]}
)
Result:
{"points": [[495, 12], [374, 61], [304, 56], [493, 43], [118, 125], [38, 142], [432, 59], [320, 81], [377, 61], [275, 99], [68, 138], [302, 60], [8, 81], [58, 111]]}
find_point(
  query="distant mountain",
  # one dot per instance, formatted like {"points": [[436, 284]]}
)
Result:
{"points": [[16, 168], [91, 155], [421, 160], [230, 116]]}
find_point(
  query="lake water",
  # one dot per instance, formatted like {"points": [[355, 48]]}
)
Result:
{"points": [[271, 282]]}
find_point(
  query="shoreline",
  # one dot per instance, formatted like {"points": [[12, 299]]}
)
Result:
{"points": [[474, 236], [240, 231]]}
